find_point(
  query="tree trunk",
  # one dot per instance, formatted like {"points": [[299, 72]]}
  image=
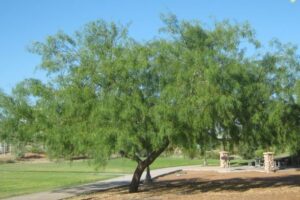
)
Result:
{"points": [[205, 161], [135, 182], [148, 176]]}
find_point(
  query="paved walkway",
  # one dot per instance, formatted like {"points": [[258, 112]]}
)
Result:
{"points": [[119, 181], [92, 187]]}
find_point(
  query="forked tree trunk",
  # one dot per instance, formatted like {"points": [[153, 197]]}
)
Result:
{"points": [[135, 182]]}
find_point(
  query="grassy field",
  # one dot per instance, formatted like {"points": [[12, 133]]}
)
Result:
{"points": [[21, 178]]}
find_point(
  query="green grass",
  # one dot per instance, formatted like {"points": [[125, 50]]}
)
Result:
{"points": [[22, 178], [168, 162], [16, 183]]}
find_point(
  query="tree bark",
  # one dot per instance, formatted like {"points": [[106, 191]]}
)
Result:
{"points": [[134, 185], [135, 182], [148, 178]]}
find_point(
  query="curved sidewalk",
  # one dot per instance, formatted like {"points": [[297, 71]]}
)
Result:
{"points": [[91, 187], [117, 182]]}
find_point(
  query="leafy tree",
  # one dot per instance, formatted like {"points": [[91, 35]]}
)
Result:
{"points": [[19, 119], [109, 94], [226, 94], [103, 96]]}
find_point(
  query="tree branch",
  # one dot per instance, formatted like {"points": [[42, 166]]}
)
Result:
{"points": [[131, 157]]}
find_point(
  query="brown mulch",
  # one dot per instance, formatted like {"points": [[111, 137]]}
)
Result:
{"points": [[283, 185]]}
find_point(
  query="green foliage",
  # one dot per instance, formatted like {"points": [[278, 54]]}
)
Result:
{"points": [[246, 150], [259, 153], [194, 87], [213, 155]]}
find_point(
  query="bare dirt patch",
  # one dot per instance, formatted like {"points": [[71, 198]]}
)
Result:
{"points": [[27, 158], [283, 185], [8, 157]]}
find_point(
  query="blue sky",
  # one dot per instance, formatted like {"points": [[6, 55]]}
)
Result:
{"points": [[25, 21]]}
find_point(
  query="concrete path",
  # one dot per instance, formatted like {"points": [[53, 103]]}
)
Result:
{"points": [[91, 187], [119, 181]]}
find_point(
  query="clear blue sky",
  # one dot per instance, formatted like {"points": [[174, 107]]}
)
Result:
{"points": [[25, 21]]}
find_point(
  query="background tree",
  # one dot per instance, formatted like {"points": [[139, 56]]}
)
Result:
{"points": [[19, 118]]}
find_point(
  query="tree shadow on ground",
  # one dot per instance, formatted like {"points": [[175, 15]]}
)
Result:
{"points": [[191, 186]]}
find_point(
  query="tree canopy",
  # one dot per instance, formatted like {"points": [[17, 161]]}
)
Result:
{"points": [[110, 94]]}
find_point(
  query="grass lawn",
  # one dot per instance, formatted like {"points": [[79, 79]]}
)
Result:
{"points": [[21, 178]]}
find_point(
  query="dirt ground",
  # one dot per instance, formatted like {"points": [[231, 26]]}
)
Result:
{"points": [[28, 157], [185, 185]]}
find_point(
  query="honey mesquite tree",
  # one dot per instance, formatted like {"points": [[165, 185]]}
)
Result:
{"points": [[107, 93]]}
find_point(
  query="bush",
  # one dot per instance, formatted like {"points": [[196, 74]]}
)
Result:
{"points": [[19, 150], [259, 153], [246, 151], [214, 154], [36, 148]]}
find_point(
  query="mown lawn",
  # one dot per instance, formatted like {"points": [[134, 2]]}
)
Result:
{"points": [[21, 178]]}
